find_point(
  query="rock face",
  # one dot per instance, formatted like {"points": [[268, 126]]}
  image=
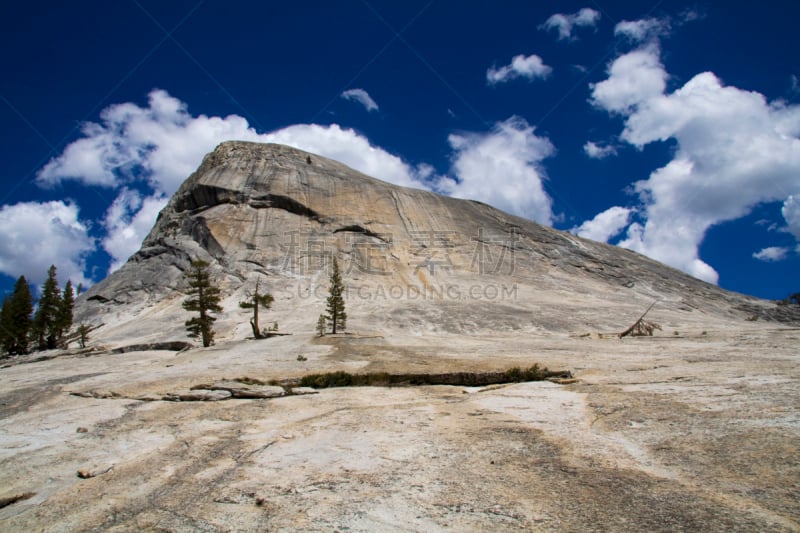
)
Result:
{"points": [[693, 429], [411, 259]]}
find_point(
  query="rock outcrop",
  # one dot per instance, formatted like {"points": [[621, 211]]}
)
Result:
{"points": [[411, 258]]}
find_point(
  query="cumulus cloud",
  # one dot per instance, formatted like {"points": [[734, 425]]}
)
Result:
{"points": [[734, 150], [772, 254], [160, 144], [565, 24], [362, 97], [633, 78], [502, 167], [127, 222], [348, 147], [599, 151], [37, 235], [606, 225], [530, 67]]}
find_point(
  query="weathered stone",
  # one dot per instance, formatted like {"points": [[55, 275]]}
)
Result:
{"points": [[197, 396], [299, 391], [241, 390]]}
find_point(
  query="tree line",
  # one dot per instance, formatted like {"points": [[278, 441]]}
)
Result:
{"points": [[24, 327], [27, 325], [205, 297]]}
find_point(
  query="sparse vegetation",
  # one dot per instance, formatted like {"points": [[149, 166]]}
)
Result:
{"points": [[336, 316], [254, 302], [46, 328], [302, 357], [203, 298], [15, 319], [512, 375], [48, 320], [83, 332]]}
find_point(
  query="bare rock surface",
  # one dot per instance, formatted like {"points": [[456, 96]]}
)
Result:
{"points": [[696, 432], [696, 428]]}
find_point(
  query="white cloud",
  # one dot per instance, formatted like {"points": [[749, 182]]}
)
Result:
{"points": [[362, 97], [604, 226], [642, 30], [633, 78], [565, 24], [161, 144], [791, 213], [599, 151], [348, 147], [734, 150], [37, 235], [502, 168], [127, 222], [772, 254], [530, 67]]}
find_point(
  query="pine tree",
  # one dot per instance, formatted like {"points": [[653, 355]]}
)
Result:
{"points": [[46, 320], [17, 318], [83, 331], [254, 302], [335, 313], [203, 297], [66, 308], [321, 326], [6, 329]]}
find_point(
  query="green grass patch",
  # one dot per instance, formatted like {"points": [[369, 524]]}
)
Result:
{"points": [[470, 379]]}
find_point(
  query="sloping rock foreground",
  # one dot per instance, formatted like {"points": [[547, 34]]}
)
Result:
{"points": [[696, 431]]}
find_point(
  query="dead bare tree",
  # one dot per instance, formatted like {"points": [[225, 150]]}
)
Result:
{"points": [[642, 328]]}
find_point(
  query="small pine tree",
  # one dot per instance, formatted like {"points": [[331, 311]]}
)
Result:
{"points": [[46, 319], [321, 326], [335, 313], [83, 331], [17, 320], [203, 297], [66, 309], [254, 302]]}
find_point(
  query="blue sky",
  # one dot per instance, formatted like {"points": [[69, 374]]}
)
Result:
{"points": [[668, 127]]}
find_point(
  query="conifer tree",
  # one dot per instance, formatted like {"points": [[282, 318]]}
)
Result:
{"points": [[66, 309], [46, 319], [16, 318], [83, 332], [321, 326], [335, 313], [203, 297], [254, 302]]}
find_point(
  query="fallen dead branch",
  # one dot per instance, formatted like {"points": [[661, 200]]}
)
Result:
{"points": [[87, 474]]}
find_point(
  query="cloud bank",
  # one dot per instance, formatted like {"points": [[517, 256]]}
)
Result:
{"points": [[734, 150]]}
